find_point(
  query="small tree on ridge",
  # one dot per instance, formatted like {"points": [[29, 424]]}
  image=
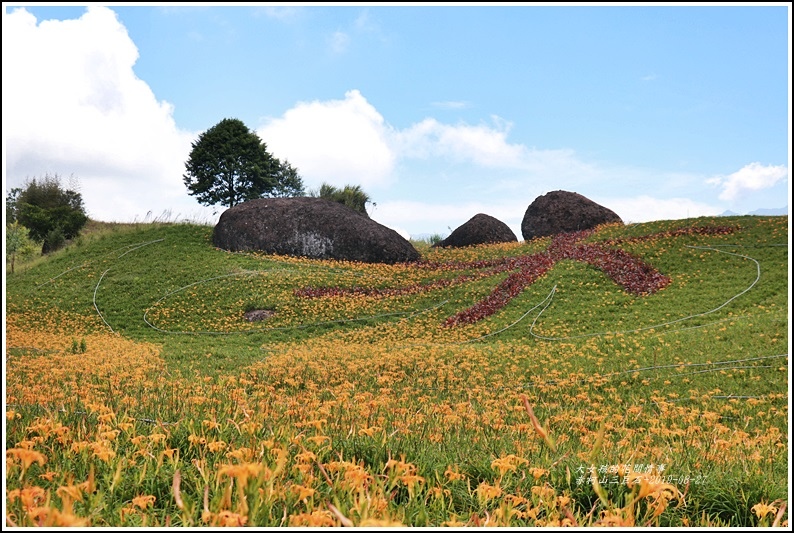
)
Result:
{"points": [[230, 164]]}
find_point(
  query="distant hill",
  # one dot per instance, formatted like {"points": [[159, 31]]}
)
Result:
{"points": [[770, 212], [763, 212]]}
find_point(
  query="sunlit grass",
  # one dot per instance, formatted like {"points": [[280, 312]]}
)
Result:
{"points": [[138, 395]]}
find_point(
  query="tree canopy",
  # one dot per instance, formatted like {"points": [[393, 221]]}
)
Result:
{"points": [[18, 243], [230, 164], [288, 181], [51, 213]]}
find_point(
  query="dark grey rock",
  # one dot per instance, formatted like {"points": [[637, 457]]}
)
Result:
{"points": [[480, 229], [563, 212], [309, 227]]}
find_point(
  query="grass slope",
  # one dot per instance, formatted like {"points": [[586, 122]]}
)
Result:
{"points": [[138, 394]]}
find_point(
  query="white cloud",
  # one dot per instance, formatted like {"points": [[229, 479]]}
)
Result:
{"points": [[336, 141], [487, 146], [282, 13], [647, 209], [348, 141], [78, 108], [339, 42], [484, 145], [364, 26], [752, 177], [364, 22]]}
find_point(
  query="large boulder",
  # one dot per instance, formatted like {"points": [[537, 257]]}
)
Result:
{"points": [[309, 227], [480, 229], [563, 212]]}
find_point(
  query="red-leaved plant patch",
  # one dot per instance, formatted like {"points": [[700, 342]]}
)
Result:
{"points": [[630, 272]]}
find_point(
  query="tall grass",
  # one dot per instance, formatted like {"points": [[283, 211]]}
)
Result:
{"points": [[137, 394]]}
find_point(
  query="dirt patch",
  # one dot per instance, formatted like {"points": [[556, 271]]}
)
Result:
{"points": [[256, 315]]}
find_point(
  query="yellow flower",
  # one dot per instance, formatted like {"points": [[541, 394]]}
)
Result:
{"points": [[400, 467], [316, 518], [142, 453], [652, 486], [439, 493], [502, 466], [368, 431], [318, 424], [210, 424], [615, 518], [27, 457], [251, 427], [763, 509], [545, 493], [216, 446], [241, 454], [59, 518], [168, 452], [73, 492], [302, 492], [142, 502], [230, 519], [411, 480], [107, 417], [29, 496], [537, 473], [242, 471], [507, 463], [158, 437], [303, 468], [318, 439], [102, 451], [488, 492], [306, 457], [357, 477], [110, 435], [77, 447], [196, 440], [454, 475], [48, 475]]}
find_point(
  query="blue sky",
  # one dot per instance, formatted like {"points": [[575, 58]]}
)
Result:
{"points": [[438, 112]]}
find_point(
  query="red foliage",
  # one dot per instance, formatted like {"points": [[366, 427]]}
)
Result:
{"points": [[630, 272]]}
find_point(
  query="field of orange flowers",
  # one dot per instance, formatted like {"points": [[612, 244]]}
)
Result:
{"points": [[470, 389]]}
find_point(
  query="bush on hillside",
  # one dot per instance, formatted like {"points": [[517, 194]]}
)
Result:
{"points": [[51, 213]]}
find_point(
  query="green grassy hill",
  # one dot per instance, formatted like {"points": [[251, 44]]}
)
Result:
{"points": [[633, 375]]}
